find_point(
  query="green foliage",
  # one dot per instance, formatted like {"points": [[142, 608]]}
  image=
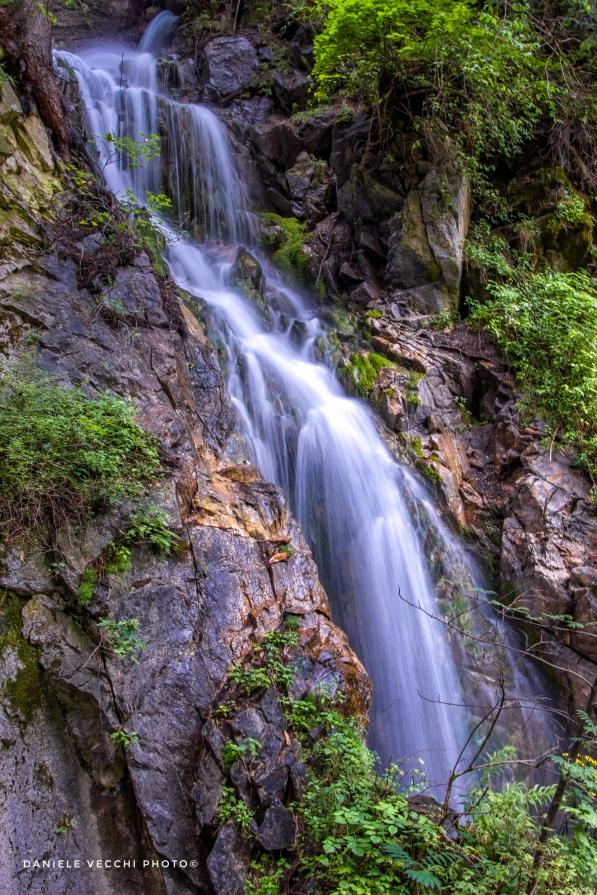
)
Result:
{"points": [[64, 456], [65, 825], [572, 213], [488, 74], [489, 252], [244, 751], [363, 371], [122, 636], [231, 807], [270, 669], [358, 835], [151, 526], [287, 236], [87, 586], [546, 325], [134, 153], [125, 738], [480, 73]]}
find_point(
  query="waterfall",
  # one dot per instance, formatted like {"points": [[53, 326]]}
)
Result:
{"points": [[353, 500]]}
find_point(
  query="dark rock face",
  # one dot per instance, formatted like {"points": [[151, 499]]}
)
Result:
{"points": [[228, 862], [228, 67]]}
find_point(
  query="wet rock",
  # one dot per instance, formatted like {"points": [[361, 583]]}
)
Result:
{"points": [[228, 862], [228, 66], [278, 829], [246, 274]]}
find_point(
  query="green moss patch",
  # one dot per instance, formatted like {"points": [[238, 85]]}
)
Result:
{"points": [[23, 692], [363, 371], [287, 237]]}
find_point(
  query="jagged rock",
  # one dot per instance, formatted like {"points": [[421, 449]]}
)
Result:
{"points": [[228, 66], [10, 107], [364, 293], [290, 89], [315, 132], [426, 241], [228, 862], [364, 199], [349, 141], [278, 829], [278, 142]]}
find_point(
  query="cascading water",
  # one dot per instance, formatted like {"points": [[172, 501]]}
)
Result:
{"points": [[351, 497]]}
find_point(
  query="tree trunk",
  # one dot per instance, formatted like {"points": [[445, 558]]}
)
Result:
{"points": [[25, 35]]}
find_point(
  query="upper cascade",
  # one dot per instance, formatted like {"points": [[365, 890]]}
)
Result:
{"points": [[157, 32]]}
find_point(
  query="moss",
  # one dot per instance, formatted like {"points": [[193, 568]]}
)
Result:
{"points": [[23, 691], [287, 237], [363, 371], [87, 586], [430, 473]]}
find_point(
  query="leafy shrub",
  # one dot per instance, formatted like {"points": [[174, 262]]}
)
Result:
{"points": [[546, 324], [151, 525], [64, 456], [479, 73], [357, 834], [122, 636]]}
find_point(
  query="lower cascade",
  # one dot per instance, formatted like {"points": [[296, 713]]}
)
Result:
{"points": [[364, 515]]}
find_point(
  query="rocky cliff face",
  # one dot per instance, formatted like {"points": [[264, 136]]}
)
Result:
{"points": [[242, 569]]}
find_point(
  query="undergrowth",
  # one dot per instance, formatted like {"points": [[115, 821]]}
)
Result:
{"points": [[65, 456], [357, 832], [546, 325]]}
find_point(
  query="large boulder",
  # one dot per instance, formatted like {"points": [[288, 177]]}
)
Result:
{"points": [[228, 67], [290, 89], [426, 241]]}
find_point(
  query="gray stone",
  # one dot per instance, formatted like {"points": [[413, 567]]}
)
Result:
{"points": [[229, 66], [228, 862], [290, 89], [278, 829]]}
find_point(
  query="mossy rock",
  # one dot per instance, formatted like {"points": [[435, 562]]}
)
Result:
{"points": [[287, 238], [363, 370], [23, 691]]}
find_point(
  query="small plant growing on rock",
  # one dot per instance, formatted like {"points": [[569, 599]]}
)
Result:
{"points": [[151, 526], [244, 751], [87, 586], [125, 738], [122, 637]]}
